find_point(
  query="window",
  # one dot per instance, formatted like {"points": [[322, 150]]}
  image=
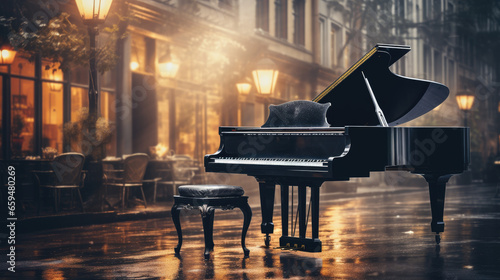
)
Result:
{"points": [[334, 34], [400, 14], [347, 51], [226, 4], [438, 67], [141, 54], [52, 108], [262, 15], [299, 22], [280, 18], [323, 42], [451, 74], [427, 63]]}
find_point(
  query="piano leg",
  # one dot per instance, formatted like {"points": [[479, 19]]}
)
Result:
{"points": [[315, 212], [284, 209], [437, 188], [267, 206], [302, 211]]}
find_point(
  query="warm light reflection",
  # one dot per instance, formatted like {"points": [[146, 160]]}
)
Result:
{"points": [[93, 10], [159, 151], [56, 76], [340, 223], [134, 65], [465, 102], [53, 274]]}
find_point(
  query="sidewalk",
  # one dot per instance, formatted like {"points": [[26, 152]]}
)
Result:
{"points": [[376, 233]]}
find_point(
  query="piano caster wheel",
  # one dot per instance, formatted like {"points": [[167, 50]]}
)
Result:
{"points": [[438, 238], [267, 240]]}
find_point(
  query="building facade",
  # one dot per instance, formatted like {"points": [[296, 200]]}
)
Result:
{"points": [[216, 44]]}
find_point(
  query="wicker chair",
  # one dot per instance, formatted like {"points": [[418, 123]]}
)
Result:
{"points": [[134, 167], [66, 173]]}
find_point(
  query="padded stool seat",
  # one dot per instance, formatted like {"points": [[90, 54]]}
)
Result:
{"points": [[207, 198], [210, 190]]}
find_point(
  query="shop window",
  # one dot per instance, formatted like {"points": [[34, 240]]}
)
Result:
{"points": [[213, 121], [185, 110], [22, 67], [164, 118], [22, 117], [80, 75], [142, 54], [79, 100], [52, 116]]}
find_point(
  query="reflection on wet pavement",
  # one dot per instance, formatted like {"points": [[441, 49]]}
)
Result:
{"points": [[379, 237]]}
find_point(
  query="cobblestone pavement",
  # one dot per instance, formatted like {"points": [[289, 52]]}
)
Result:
{"points": [[382, 236]]}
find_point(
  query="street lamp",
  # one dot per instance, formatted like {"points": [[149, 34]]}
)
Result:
{"points": [[265, 76], [7, 55], [244, 86], [93, 13], [465, 102], [168, 67]]}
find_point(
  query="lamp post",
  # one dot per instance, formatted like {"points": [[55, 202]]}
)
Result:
{"points": [[265, 76], [93, 13], [7, 55], [465, 102]]}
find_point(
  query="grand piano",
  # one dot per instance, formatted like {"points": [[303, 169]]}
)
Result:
{"points": [[349, 130]]}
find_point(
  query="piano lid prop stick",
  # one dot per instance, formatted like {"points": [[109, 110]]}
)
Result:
{"points": [[378, 111]]}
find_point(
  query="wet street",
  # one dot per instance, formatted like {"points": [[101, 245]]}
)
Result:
{"points": [[379, 236]]}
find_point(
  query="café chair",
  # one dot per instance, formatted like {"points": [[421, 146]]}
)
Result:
{"points": [[207, 198], [181, 172], [66, 174], [134, 167]]}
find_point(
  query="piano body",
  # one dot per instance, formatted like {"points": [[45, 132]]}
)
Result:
{"points": [[339, 135]]}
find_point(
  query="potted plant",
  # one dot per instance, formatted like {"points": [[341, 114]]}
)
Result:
{"points": [[77, 135]]}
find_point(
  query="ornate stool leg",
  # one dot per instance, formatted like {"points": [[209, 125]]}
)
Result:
{"points": [[247, 216], [175, 218], [207, 215]]}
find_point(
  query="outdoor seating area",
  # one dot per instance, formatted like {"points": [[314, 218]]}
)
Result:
{"points": [[67, 183]]}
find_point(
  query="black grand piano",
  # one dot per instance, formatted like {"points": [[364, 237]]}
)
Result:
{"points": [[348, 130]]}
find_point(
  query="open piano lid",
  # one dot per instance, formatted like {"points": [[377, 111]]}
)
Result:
{"points": [[401, 99]]}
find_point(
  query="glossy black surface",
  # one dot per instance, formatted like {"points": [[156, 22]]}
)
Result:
{"points": [[401, 98]]}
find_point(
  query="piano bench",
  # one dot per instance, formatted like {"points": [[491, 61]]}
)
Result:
{"points": [[207, 198]]}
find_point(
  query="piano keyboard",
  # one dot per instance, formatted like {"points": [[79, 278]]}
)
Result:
{"points": [[272, 161]]}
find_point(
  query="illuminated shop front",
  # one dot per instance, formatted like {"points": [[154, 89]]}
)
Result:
{"points": [[41, 100], [174, 109]]}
